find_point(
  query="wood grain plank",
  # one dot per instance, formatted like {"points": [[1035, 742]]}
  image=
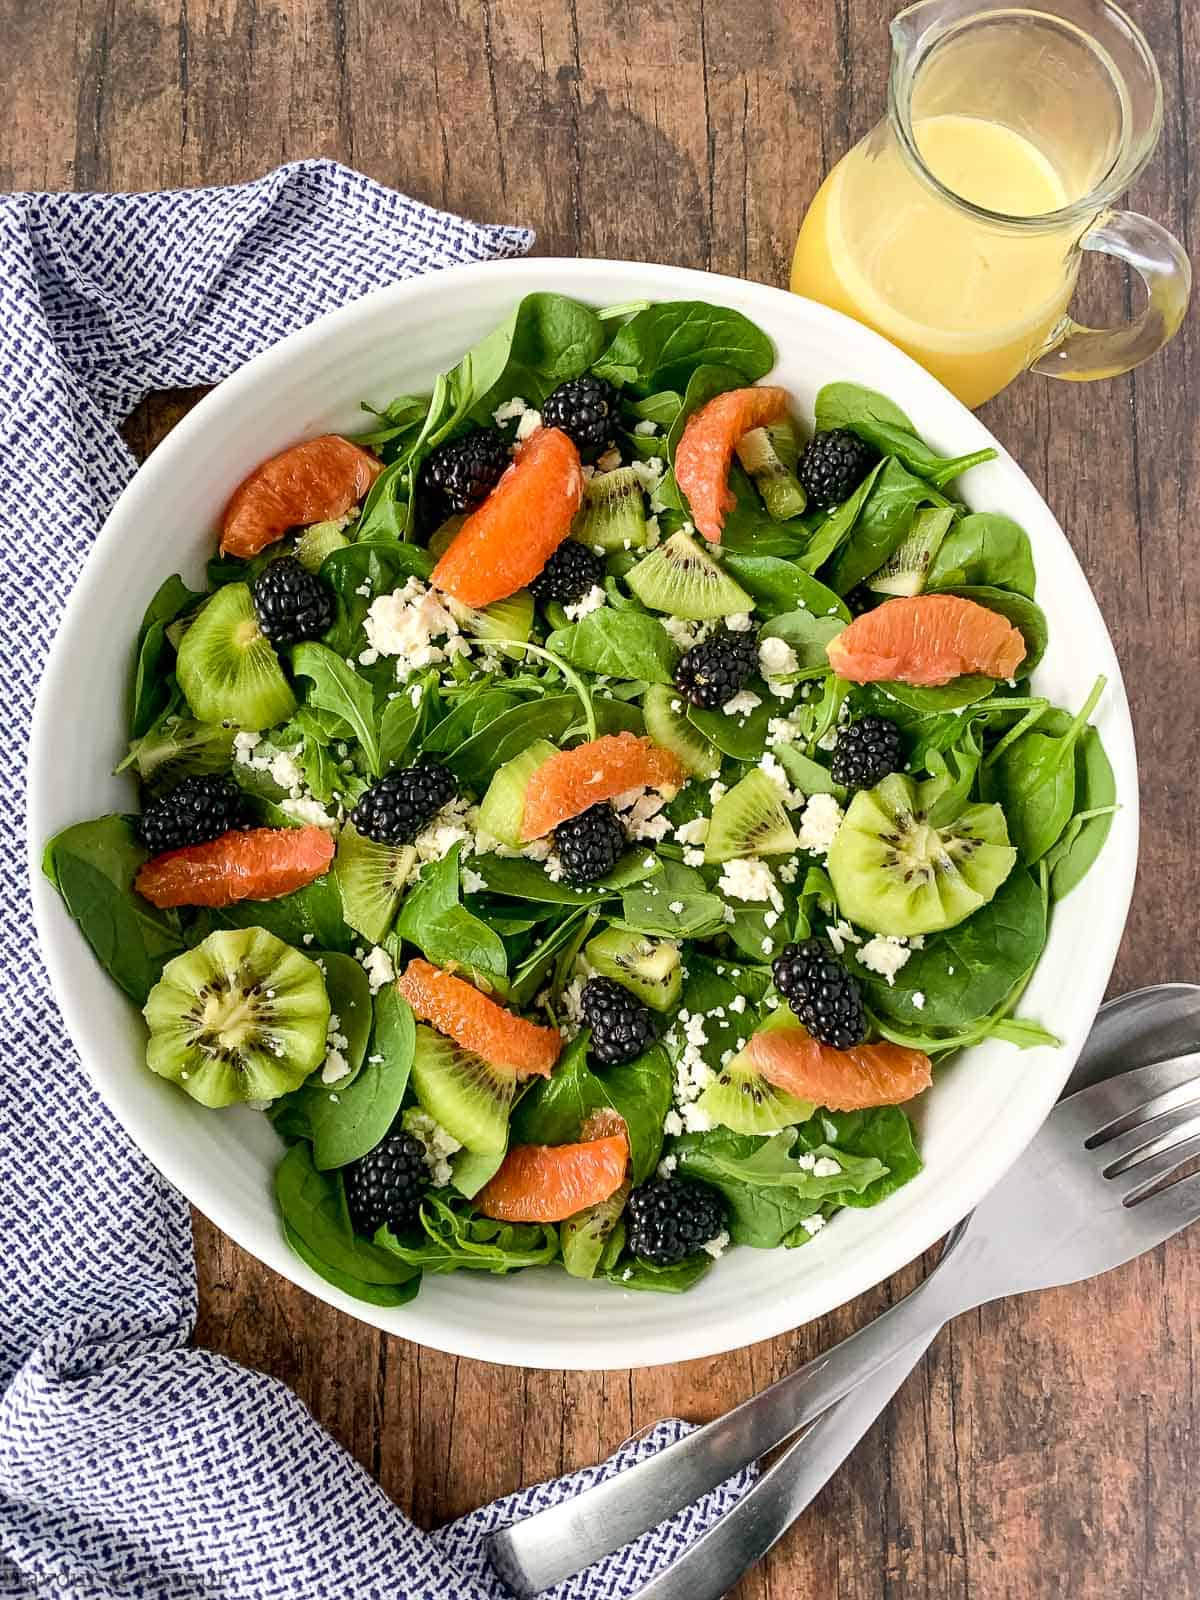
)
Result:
{"points": [[1046, 1447]]}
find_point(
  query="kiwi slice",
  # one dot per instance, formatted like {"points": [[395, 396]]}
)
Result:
{"points": [[226, 668], [895, 873], [443, 537], [317, 542], [750, 820], [769, 455], [243, 1016], [466, 1094], [613, 515], [741, 1099], [684, 581], [905, 572], [648, 968], [672, 730], [176, 748], [586, 1235], [371, 878], [511, 618], [503, 806]]}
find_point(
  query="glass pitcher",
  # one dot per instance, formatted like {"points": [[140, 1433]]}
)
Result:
{"points": [[955, 228]]}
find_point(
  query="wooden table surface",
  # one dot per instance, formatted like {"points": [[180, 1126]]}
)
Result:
{"points": [[1047, 1446]]}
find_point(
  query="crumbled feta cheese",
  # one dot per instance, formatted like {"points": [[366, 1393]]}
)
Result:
{"points": [[307, 938], [672, 1124], [473, 882], [531, 421], [739, 622], [439, 1145], [826, 1167], [781, 730], [684, 634], [819, 823], [667, 1166], [745, 879], [918, 1001], [453, 824], [693, 832], [840, 934], [406, 623], [243, 744], [884, 955], [305, 809], [828, 740], [377, 965], [609, 461], [285, 772], [742, 704], [593, 600], [675, 908], [648, 473], [509, 411], [768, 946], [813, 1225], [695, 1120], [715, 790], [717, 1247], [776, 658], [792, 798], [693, 858], [645, 429]]}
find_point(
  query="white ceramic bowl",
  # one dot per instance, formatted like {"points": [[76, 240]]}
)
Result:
{"points": [[974, 1123]]}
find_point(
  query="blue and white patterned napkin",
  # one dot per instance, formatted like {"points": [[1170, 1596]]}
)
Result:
{"points": [[131, 1465]]}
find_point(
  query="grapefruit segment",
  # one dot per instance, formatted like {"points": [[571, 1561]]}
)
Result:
{"points": [[505, 542], [256, 864], [705, 451], [317, 481], [867, 1075], [458, 1009], [928, 640], [572, 780], [549, 1183]]}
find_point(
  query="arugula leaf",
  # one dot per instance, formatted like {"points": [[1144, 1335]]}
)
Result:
{"points": [[877, 420], [452, 1236], [313, 1207], [338, 688], [779, 587], [883, 524], [623, 644], [984, 548], [93, 865], [554, 949], [662, 346], [433, 918], [469, 715]]}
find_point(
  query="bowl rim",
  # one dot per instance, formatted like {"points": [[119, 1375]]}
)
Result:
{"points": [[855, 1271]]}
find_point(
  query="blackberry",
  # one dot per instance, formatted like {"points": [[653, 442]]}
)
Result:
{"points": [[717, 668], [193, 812], [586, 411], [464, 472], [571, 571], [388, 1184], [824, 996], [867, 752], [398, 806], [622, 1027], [590, 845], [671, 1218], [833, 466], [292, 603]]}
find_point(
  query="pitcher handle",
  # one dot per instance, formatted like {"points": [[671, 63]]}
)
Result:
{"points": [[1078, 353]]}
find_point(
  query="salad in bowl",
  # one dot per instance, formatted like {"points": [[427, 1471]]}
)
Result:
{"points": [[586, 808]]}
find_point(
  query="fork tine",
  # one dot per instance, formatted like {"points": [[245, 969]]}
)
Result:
{"points": [[1167, 1211], [1136, 1179], [1150, 1138], [1110, 1108]]}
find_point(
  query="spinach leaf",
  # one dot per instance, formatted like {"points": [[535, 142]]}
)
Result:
{"points": [[662, 346], [807, 635], [477, 760], [558, 947], [805, 774], [470, 715], [1024, 614], [338, 688], [377, 1294], [313, 1207], [314, 912], [677, 905], [547, 339], [883, 524], [965, 691], [521, 879], [661, 408], [965, 973], [877, 420], [623, 644], [471, 1169], [631, 1272], [452, 1236], [398, 728], [884, 1132], [704, 384], [750, 530], [829, 536], [150, 689], [984, 548], [641, 1091], [1035, 777], [1095, 800], [93, 865], [375, 566], [433, 918], [779, 586], [743, 738], [347, 1127]]}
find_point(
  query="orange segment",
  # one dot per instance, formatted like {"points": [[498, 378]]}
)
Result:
{"points": [[311, 482], [705, 451], [257, 864], [507, 541], [478, 1024], [548, 1183], [928, 639], [573, 780], [841, 1080]]}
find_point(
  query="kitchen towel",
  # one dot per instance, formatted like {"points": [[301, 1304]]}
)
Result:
{"points": [[131, 1465]]}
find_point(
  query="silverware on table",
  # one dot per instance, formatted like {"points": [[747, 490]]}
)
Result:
{"points": [[1100, 1156]]}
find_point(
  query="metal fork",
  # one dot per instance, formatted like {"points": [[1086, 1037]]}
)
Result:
{"points": [[1079, 1202]]}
